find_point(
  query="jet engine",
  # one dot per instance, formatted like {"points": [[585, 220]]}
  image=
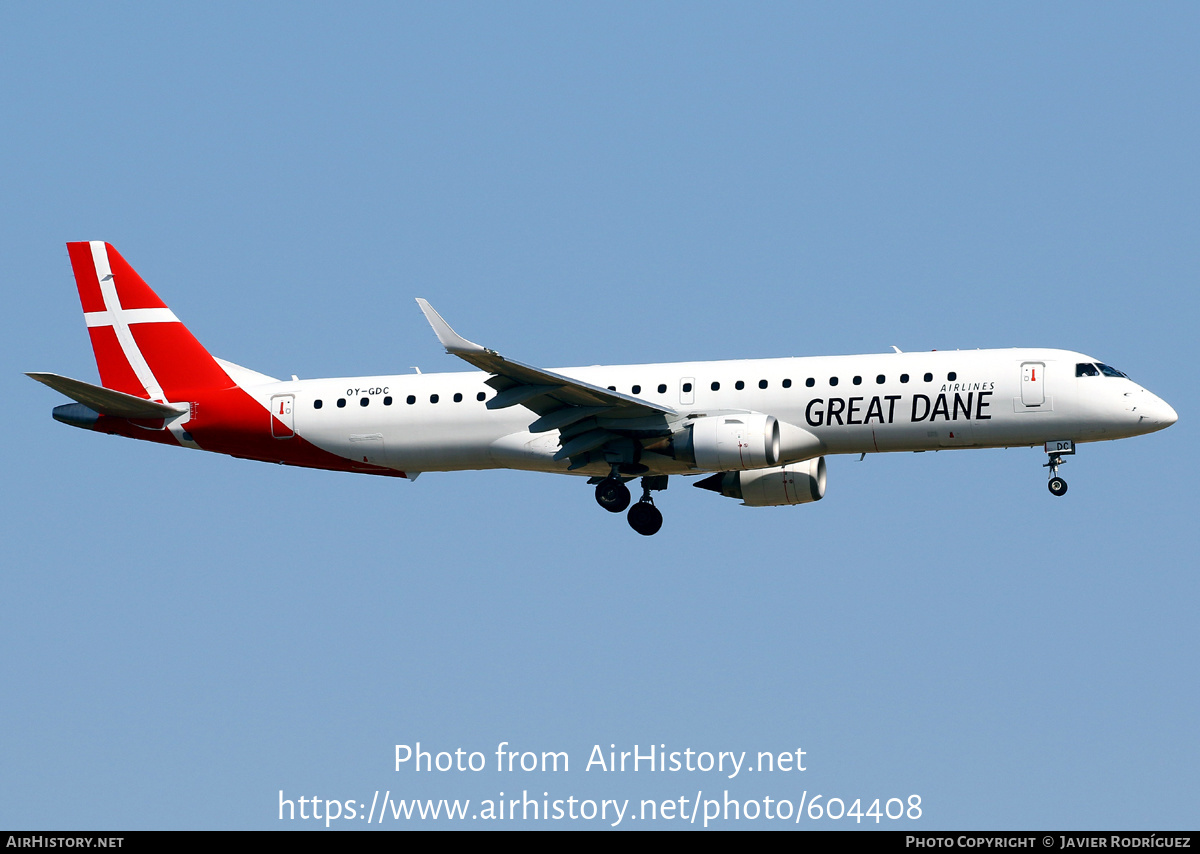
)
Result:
{"points": [[742, 440], [797, 483]]}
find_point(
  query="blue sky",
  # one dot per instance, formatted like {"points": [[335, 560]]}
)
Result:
{"points": [[186, 635]]}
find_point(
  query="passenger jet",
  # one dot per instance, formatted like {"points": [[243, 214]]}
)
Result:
{"points": [[760, 429]]}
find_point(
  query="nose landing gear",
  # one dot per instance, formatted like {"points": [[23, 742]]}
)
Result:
{"points": [[1056, 450]]}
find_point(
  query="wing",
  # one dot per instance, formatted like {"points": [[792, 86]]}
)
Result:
{"points": [[594, 423]]}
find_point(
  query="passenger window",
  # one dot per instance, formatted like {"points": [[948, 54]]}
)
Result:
{"points": [[411, 399], [637, 389], [951, 377], [1085, 369], [879, 380], [833, 380], [433, 398], [341, 403], [364, 401], [387, 401], [662, 388], [929, 378], [715, 386], [458, 397], [739, 385], [904, 378], [762, 383], [810, 382], [787, 383], [481, 396], [687, 388], [858, 380], [317, 404]]}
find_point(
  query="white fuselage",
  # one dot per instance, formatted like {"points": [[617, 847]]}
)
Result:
{"points": [[853, 404]]}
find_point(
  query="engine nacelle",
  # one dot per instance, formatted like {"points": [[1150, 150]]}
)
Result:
{"points": [[743, 440], [797, 483]]}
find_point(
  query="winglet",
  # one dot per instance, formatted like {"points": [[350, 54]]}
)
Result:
{"points": [[451, 340]]}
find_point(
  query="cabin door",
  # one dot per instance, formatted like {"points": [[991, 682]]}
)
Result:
{"points": [[1033, 383], [282, 424]]}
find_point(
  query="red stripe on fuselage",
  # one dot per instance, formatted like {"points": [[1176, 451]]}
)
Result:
{"points": [[130, 429], [230, 421]]}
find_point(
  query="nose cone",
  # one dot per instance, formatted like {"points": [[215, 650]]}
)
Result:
{"points": [[1158, 412], [1166, 414]]}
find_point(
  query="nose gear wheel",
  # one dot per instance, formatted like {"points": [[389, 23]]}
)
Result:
{"points": [[1057, 485]]}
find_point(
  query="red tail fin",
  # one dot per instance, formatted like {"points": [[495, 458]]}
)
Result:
{"points": [[141, 347]]}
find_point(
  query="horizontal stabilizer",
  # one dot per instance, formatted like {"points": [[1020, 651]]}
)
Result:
{"points": [[108, 402]]}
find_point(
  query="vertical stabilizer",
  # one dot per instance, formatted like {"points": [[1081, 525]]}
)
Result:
{"points": [[141, 347]]}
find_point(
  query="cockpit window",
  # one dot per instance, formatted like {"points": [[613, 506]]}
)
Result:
{"points": [[1086, 369], [1110, 372]]}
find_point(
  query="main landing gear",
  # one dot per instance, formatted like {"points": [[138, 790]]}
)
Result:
{"points": [[1056, 451], [613, 495], [644, 517]]}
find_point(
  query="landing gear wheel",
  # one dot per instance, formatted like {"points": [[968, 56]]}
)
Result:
{"points": [[1057, 485], [612, 495], [645, 518]]}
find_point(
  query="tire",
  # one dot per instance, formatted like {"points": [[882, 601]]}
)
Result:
{"points": [[612, 495], [645, 518], [1057, 486]]}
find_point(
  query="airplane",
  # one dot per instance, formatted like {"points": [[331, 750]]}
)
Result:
{"points": [[760, 429]]}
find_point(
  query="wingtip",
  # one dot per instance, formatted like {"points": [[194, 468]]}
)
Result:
{"points": [[451, 340]]}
